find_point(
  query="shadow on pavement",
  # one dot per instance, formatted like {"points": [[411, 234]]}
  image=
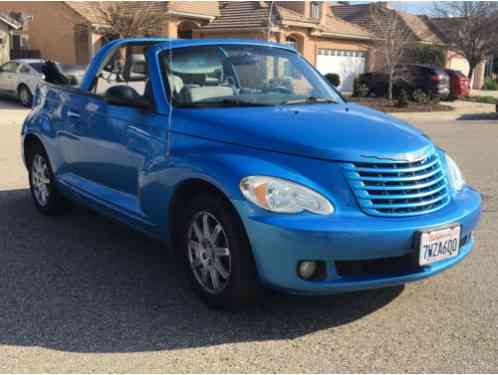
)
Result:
{"points": [[478, 116], [83, 283], [7, 103]]}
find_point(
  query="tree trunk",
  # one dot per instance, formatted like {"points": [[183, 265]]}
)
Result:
{"points": [[472, 68], [390, 88]]}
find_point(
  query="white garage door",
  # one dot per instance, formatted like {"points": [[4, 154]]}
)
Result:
{"points": [[461, 64], [348, 64]]}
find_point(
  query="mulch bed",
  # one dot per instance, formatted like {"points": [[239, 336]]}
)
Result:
{"points": [[383, 105]]}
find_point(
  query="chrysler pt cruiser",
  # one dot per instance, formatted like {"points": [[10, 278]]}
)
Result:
{"points": [[241, 157]]}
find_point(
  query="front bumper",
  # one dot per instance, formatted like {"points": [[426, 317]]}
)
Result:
{"points": [[280, 242]]}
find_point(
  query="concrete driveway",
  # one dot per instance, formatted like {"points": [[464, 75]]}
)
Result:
{"points": [[82, 293]]}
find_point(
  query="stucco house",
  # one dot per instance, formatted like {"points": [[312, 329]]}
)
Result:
{"points": [[423, 30], [65, 30], [329, 43], [8, 26], [336, 37]]}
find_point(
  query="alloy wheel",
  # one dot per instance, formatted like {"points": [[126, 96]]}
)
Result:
{"points": [[209, 252], [40, 180]]}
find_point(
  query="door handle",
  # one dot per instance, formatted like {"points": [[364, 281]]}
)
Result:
{"points": [[72, 114]]}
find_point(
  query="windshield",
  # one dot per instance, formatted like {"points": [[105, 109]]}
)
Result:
{"points": [[237, 75]]}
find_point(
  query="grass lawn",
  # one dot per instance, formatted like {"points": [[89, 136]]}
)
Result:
{"points": [[488, 99]]}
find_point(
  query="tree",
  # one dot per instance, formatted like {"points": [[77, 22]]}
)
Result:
{"points": [[393, 38], [469, 28], [116, 21]]}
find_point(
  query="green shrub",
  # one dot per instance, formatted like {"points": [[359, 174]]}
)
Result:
{"points": [[334, 79], [490, 84], [404, 99]]}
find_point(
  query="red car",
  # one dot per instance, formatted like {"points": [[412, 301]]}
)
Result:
{"points": [[459, 83]]}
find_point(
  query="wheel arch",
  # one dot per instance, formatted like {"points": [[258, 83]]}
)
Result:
{"points": [[181, 194], [30, 140]]}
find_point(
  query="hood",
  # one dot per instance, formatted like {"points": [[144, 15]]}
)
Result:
{"points": [[345, 132]]}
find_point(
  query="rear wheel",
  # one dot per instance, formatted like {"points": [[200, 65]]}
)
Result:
{"points": [[25, 96], [46, 197], [217, 253], [420, 96]]}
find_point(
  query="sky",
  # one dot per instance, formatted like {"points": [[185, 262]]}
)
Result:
{"points": [[417, 7]]}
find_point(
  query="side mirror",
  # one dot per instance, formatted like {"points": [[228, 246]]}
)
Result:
{"points": [[127, 96]]}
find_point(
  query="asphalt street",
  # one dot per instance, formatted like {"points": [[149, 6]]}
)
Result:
{"points": [[83, 293]]}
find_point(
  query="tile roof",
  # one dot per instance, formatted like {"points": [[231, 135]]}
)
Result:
{"points": [[204, 8], [361, 15], [336, 26], [420, 27], [242, 15], [442, 25], [10, 21], [89, 9], [262, 14]]}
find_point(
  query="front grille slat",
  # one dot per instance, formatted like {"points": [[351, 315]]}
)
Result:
{"points": [[399, 188], [416, 168], [388, 177]]}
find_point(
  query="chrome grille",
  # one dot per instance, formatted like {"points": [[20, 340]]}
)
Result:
{"points": [[399, 188]]}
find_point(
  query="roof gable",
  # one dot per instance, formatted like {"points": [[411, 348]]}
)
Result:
{"points": [[10, 21], [362, 15]]}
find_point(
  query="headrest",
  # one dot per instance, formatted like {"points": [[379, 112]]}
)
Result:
{"points": [[135, 68]]}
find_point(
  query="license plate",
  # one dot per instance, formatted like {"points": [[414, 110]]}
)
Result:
{"points": [[439, 244]]}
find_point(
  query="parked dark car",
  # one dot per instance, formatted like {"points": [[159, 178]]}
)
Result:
{"points": [[417, 80], [459, 84]]}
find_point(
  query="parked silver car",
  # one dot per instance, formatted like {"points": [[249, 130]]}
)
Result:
{"points": [[19, 78]]}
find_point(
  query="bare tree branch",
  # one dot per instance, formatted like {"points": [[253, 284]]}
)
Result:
{"points": [[117, 21], [469, 28], [393, 38]]}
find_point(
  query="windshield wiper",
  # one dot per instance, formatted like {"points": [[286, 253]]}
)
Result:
{"points": [[310, 100], [243, 103], [223, 103]]}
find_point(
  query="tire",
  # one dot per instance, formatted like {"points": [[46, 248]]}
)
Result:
{"points": [[25, 96], [42, 184], [227, 253], [420, 96]]}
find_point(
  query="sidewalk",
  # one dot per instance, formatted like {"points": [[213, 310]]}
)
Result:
{"points": [[462, 111], [484, 93]]}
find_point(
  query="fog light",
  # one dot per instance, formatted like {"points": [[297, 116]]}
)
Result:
{"points": [[307, 269]]}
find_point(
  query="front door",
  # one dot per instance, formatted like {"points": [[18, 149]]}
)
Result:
{"points": [[113, 144]]}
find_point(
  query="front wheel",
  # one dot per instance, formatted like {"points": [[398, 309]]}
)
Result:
{"points": [[217, 253], [25, 96]]}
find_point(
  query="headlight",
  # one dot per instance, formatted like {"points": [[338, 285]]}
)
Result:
{"points": [[277, 195], [454, 174]]}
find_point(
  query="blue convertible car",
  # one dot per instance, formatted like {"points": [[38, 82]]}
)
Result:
{"points": [[252, 167]]}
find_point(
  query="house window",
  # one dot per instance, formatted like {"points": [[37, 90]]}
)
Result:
{"points": [[291, 42], [185, 30], [316, 9]]}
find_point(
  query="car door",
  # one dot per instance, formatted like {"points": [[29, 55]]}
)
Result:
{"points": [[110, 145], [8, 77]]}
